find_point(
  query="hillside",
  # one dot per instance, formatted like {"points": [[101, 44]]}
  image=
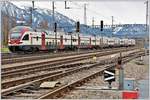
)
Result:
{"points": [[43, 19]]}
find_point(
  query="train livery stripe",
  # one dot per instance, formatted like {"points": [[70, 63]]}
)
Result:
{"points": [[61, 42], [90, 46], [43, 46]]}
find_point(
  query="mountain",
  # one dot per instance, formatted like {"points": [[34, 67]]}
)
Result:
{"points": [[43, 19], [131, 30], [39, 16]]}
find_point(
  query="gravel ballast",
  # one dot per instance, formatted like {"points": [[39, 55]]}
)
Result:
{"points": [[91, 90]]}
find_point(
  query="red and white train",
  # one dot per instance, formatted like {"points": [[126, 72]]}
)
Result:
{"points": [[23, 38]]}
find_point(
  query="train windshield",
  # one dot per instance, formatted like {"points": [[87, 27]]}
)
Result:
{"points": [[15, 35]]}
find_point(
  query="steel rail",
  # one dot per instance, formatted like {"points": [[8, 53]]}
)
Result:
{"points": [[53, 77], [64, 89], [10, 83], [55, 61], [23, 58], [31, 70]]}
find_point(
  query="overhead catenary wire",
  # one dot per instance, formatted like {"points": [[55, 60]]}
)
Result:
{"points": [[90, 10], [98, 13]]}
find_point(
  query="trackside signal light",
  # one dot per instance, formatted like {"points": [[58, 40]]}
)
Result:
{"points": [[119, 61], [55, 27], [78, 27], [102, 25]]}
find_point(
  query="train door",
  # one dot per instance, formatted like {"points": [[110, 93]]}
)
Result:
{"points": [[61, 42], [79, 41], [27, 46], [101, 41], [71, 41], [95, 40], [43, 46], [90, 46], [25, 39]]}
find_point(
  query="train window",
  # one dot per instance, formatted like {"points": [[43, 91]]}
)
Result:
{"points": [[26, 37], [74, 40], [65, 39], [15, 35], [53, 41], [46, 32], [46, 43], [93, 40], [37, 38], [50, 43]]}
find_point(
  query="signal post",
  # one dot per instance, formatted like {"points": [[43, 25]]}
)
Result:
{"points": [[78, 30], [55, 30], [120, 70]]}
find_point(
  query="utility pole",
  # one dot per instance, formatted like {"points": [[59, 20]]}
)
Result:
{"points": [[53, 7], [112, 25], [31, 17], [147, 30], [31, 10], [33, 5], [55, 30], [78, 31], [85, 21], [66, 7], [54, 25], [121, 72], [93, 22]]}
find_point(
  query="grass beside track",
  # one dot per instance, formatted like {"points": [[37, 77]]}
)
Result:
{"points": [[5, 50]]}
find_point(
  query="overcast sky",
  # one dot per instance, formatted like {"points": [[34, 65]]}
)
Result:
{"points": [[124, 12]]}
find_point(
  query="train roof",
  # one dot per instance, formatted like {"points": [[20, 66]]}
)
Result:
{"points": [[21, 28]]}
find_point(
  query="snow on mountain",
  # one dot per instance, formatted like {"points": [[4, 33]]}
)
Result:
{"points": [[117, 29], [38, 16], [44, 17], [132, 30]]}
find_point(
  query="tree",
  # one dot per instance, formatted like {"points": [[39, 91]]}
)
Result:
{"points": [[5, 29]]}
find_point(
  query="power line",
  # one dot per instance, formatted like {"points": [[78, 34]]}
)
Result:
{"points": [[147, 30], [31, 10], [53, 7], [93, 11], [112, 25], [93, 22]]}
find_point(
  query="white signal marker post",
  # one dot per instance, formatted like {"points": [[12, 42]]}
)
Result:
{"points": [[109, 76], [121, 79], [121, 73]]}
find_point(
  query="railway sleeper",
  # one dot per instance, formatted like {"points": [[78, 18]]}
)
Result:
{"points": [[99, 54], [126, 60]]}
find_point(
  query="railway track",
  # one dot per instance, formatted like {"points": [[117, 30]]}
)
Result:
{"points": [[31, 89], [34, 74], [58, 60], [32, 70], [39, 68], [19, 55], [14, 58], [9, 77]]}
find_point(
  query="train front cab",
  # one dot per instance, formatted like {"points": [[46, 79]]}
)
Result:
{"points": [[22, 43], [14, 41]]}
